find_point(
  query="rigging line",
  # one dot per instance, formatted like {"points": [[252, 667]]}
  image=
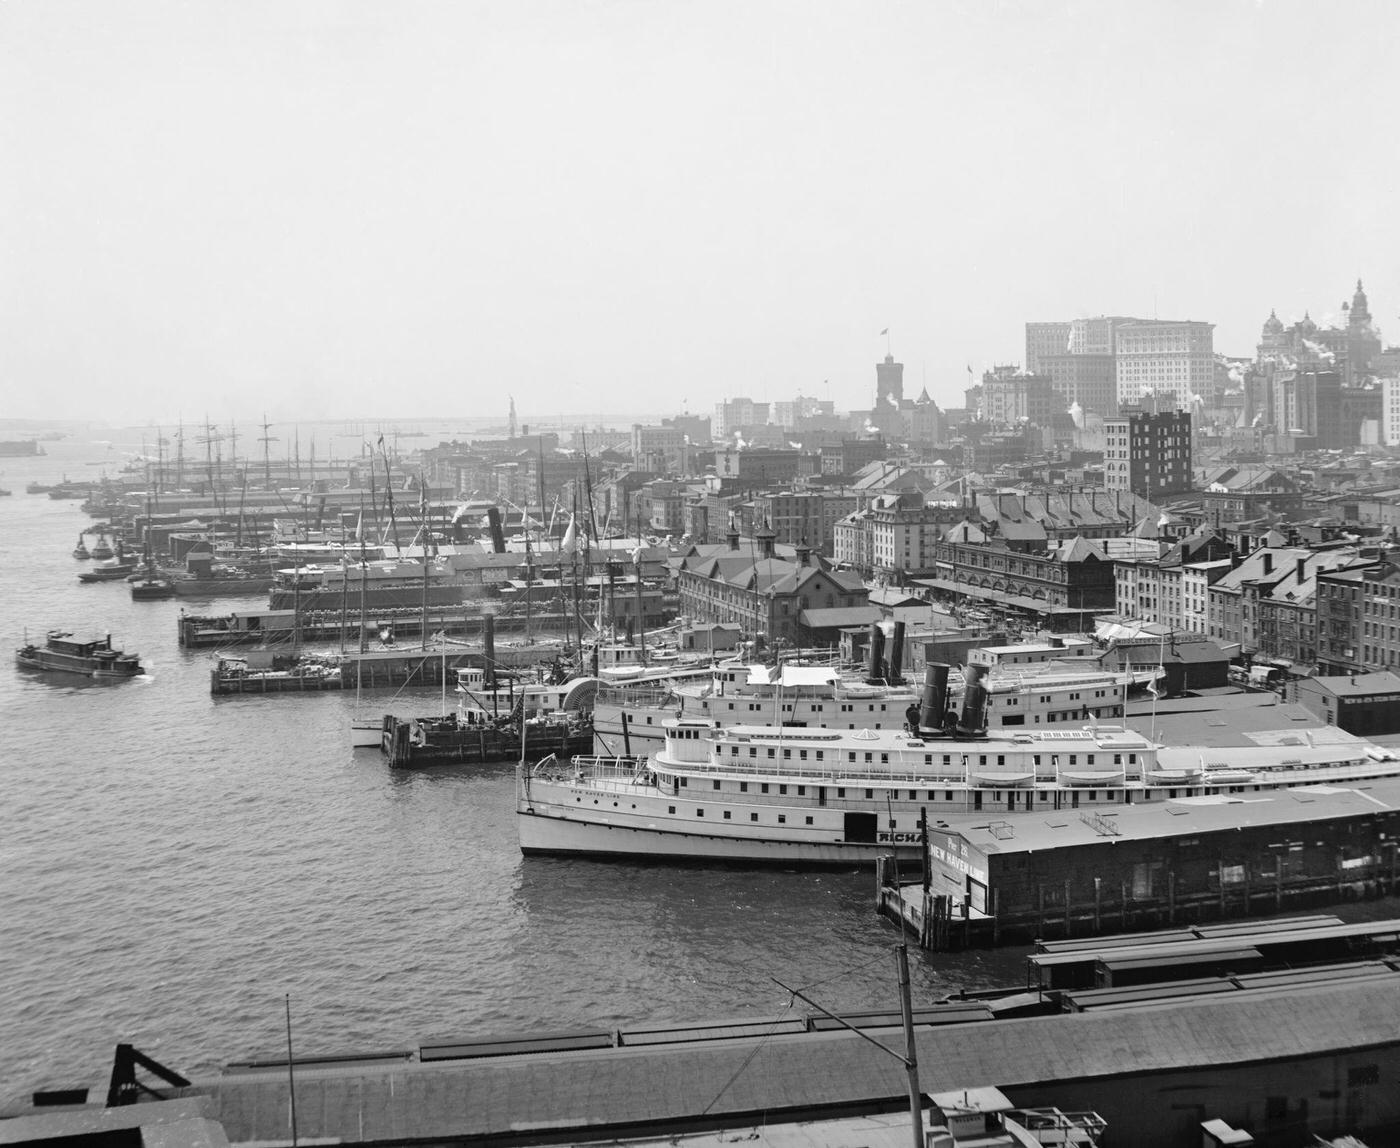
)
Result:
{"points": [[880, 956], [744, 1064]]}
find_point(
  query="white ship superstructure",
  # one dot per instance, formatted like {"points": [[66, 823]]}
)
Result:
{"points": [[628, 717], [759, 793]]}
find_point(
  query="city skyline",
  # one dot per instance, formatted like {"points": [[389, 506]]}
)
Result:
{"points": [[327, 210]]}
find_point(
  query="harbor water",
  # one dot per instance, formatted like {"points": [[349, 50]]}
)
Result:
{"points": [[172, 864]]}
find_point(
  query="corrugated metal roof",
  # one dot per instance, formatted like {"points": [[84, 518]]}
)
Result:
{"points": [[594, 1088]]}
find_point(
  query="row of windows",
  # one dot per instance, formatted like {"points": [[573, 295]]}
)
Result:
{"points": [[851, 756]]}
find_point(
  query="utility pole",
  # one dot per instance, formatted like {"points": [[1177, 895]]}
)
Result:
{"points": [[909, 1058]]}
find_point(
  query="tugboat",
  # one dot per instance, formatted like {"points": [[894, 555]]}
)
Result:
{"points": [[81, 550], [102, 551], [147, 585], [108, 572], [91, 657]]}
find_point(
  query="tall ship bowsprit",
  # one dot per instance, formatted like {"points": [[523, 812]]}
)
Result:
{"points": [[90, 657]]}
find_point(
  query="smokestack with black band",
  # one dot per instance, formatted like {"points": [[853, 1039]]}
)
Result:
{"points": [[897, 654], [877, 653], [974, 709], [498, 536], [935, 699], [488, 648]]}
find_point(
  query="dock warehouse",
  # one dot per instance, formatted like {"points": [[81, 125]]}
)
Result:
{"points": [[1189, 859]]}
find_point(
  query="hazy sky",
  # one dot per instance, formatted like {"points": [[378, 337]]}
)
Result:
{"points": [[410, 208]]}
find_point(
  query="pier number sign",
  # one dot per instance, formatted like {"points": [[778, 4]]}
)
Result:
{"points": [[951, 852]]}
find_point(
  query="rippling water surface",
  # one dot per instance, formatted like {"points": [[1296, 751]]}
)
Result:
{"points": [[171, 864]]}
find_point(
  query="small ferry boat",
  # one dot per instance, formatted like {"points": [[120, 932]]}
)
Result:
{"points": [[81, 550], [92, 657], [101, 549], [111, 571], [781, 794]]}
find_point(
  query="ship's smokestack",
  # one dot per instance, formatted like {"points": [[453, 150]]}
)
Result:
{"points": [[935, 700], [974, 710], [877, 653], [488, 648], [498, 536], [897, 654]]}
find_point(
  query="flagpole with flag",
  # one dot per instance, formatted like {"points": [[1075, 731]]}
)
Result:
{"points": [[886, 333]]}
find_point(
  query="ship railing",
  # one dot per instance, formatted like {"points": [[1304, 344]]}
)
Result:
{"points": [[1311, 771], [628, 768], [835, 774], [621, 694]]}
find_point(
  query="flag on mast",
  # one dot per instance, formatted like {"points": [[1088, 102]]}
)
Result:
{"points": [[886, 331]]}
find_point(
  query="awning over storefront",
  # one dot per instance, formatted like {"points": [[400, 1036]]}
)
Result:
{"points": [[1015, 601]]}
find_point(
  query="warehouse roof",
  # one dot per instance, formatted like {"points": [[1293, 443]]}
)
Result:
{"points": [[1027, 833], [597, 1088]]}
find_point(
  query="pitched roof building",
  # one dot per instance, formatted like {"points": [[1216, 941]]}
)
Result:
{"points": [[762, 593]]}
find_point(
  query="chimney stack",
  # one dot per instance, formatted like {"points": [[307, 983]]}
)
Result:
{"points": [[1302, 568], [877, 654], [1268, 562]]}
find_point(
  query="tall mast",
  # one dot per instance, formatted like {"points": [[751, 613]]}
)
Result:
{"points": [[641, 620], [389, 498], [266, 439], [423, 534], [364, 572]]}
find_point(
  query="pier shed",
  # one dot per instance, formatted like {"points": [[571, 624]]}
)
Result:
{"points": [[1074, 873], [1366, 704]]}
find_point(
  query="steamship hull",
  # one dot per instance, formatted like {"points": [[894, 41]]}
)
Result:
{"points": [[551, 821]]}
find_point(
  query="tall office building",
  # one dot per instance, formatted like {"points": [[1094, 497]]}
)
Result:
{"points": [[1148, 454], [1363, 341], [1078, 356], [1164, 356], [1045, 339], [1390, 411], [732, 414]]}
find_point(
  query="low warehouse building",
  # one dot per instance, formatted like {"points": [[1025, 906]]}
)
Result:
{"points": [[1074, 873], [1367, 704]]}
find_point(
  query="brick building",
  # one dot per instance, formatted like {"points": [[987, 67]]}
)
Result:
{"points": [[761, 593], [1148, 454]]}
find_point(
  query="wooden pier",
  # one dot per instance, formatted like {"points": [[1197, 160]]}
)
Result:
{"points": [[1146, 866], [257, 627], [375, 669]]}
